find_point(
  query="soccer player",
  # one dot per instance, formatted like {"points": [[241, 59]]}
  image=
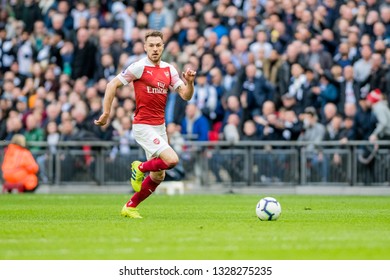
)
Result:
{"points": [[151, 78]]}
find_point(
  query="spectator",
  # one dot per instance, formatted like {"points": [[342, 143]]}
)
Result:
{"points": [[279, 37], [385, 18], [267, 121], [160, 17], [57, 24], [256, 87], [22, 107], [313, 132], [241, 55], [38, 35], [52, 137], [298, 79], [25, 54], [334, 132], [78, 13], [107, 70], [83, 64], [19, 166], [175, 138], [386, 69], [14, 126], [207, 62], [290, 125], [381, 111], [28, 11], [289, 103], [317, 55], [271, 65], [376, 78], [233, 106], [310, 99], [349, 89], [250, 131], [261, 43], [329, 111], [85, 130], [7, 49], [342, 56], [348, 132], [216, 81], [231, 131], [205, 97], [326, 92], [63, 8], [106, 46], [137, 53], [284, 72], [93, 26], [334, 129], [350, 110], [353, 43], [362, 67], [33, 131], [230, 79], [195, 126], [56, 43]]}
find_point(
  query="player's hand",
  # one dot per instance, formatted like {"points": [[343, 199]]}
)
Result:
{"points": [[189, 75], [102, 120]]}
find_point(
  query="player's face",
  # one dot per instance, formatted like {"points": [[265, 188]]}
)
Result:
{"points": [[154, 47]]}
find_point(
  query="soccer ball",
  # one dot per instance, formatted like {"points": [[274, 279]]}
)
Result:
{"points": [[268, 209]]}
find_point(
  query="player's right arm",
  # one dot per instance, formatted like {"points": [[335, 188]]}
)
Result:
{"points": [[109, 95], [133, 72]]}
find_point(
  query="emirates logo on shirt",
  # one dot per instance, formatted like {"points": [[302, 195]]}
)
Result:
{"points": [[156, 90], [156, 141]]}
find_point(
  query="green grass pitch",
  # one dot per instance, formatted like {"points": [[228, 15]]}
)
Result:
{"points": [[193, 227]]}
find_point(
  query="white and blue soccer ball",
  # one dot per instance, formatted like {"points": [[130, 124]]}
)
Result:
{"points": [[268, 209]]}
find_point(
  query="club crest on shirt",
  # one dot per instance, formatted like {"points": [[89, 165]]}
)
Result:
{"points": [[166, 74], [156, 141]]}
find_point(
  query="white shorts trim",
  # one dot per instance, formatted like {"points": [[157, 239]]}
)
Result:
{"points": [[152, 138]]}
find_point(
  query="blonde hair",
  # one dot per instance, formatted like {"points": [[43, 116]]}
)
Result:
{"points": [[19, 140]]}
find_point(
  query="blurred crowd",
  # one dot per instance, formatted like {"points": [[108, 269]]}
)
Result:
{"points": [[266, 69]]}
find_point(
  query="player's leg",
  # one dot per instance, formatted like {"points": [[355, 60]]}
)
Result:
{"points": [[167, 159], [160, 155], [149, 185]]}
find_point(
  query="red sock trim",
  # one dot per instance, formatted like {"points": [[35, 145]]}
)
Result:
{"points": [[154, 164]]}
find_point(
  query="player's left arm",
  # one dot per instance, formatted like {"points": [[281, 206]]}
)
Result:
{"points": [[186, 90]]}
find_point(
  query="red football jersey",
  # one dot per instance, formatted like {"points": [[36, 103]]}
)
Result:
{"points": [[151, 86]]}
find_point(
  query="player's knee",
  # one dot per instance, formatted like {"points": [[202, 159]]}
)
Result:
{"points": [[170, 158], [172, 162]]}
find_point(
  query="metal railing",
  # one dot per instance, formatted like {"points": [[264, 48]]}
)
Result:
{"points": [[246, 163]]}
